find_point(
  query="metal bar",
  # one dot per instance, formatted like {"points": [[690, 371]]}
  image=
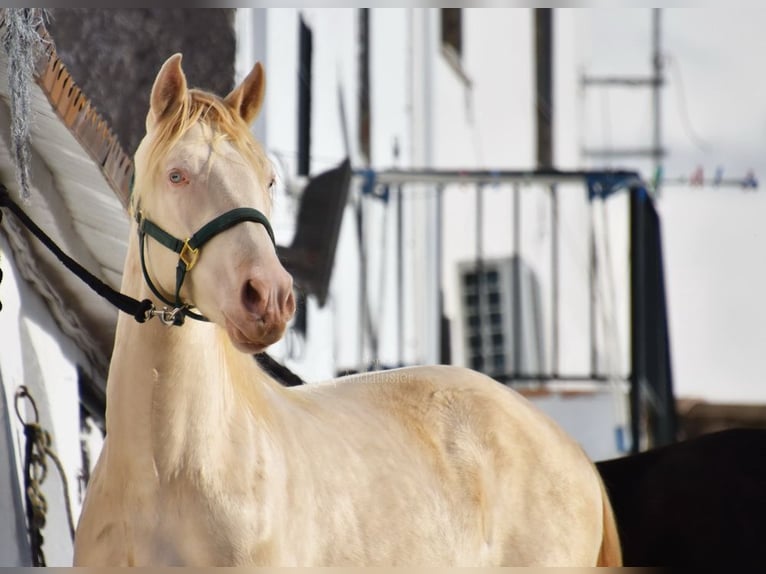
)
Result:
{"points": [[362, 300], [592, 273], [305, 52], [554, 280], [637, 309], [516, 334], [622, 81], [625, 152], [656, 86], [541, 377], [545, 130], [479, 264], [400, 275], [544, 85], [443, 353], [363, 91], [447, 176]]}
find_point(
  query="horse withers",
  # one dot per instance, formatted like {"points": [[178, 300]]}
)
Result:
{"points": [[209, 461]]}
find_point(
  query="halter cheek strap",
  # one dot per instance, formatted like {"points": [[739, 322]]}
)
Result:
{"points": [[188, 251]]}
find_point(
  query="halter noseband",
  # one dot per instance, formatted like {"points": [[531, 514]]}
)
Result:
{"points": [[188, 253]]}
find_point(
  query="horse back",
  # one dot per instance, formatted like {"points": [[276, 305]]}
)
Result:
{"points": [[520, 477]]}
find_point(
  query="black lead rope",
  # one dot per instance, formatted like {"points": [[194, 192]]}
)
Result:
{"points": [[139, 310], [188, 252]]}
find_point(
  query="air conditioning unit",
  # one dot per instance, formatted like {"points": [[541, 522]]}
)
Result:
{"points": [[495, 342]]}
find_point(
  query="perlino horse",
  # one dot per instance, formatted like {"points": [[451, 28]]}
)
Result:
{"points": [[208, 461]]}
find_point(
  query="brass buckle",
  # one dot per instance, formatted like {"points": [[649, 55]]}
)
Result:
{"points": [[189, 255]]}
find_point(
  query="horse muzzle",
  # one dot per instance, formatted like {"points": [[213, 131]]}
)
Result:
{"points": [[266, 305]]}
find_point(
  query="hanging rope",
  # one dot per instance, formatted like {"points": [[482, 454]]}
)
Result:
{"points": [[22, 43], [36, 453]]}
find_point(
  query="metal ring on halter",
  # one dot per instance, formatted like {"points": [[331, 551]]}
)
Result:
{"points": [[167, 316]]}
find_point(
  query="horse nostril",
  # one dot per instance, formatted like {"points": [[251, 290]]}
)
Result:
{"points": [[252, 298], [289, 303]]}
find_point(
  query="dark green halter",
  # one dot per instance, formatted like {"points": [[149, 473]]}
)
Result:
{"points": [[188, 252]]}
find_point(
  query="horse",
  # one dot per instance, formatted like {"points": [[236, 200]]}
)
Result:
{"points": [[697, 503], [208, 461]]}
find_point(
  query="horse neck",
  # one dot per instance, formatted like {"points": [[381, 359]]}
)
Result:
{"points": [[174, 392]]}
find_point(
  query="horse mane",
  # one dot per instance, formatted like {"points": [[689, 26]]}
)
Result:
{"points": [[201, 107]]}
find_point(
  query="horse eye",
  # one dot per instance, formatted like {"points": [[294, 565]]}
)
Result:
{"points": [[272, 183], [176, 177]]}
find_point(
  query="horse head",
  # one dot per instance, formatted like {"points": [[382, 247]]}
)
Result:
{"points": [[199, 172]]}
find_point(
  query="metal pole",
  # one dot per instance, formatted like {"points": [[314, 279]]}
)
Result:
{"points": [[479, 266], [444, 343], [544, 85], [305, 49], [399, 275], [517, 324], [362, 302], [637, 313], [544, 108], [656, 85], [592, 273], [554, 280], [363, 92], [545, 176]]}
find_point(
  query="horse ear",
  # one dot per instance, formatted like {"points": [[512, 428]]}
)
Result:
{"points": [[247, 98], [169, 90]]}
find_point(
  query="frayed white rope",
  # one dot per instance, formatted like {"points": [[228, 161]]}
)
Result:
{"points": [[22, 43]]}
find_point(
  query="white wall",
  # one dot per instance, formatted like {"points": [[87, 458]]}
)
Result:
{"points": [[489, 125], [38, 355]]}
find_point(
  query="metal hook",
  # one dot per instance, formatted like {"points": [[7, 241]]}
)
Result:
{"points": [[23, 393], [167, 316]]}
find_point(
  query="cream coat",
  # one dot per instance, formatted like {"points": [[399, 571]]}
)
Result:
{"points": [[207, 461]]}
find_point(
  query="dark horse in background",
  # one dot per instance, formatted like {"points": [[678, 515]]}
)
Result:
{"points": [[699, 503]]}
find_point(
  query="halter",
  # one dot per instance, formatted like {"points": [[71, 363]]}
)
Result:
{"points": [[188, 253]]}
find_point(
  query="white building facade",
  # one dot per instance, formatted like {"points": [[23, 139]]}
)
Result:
{"points": [[434, 107]]}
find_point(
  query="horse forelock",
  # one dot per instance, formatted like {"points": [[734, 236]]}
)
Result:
{"points": [[199, 107]]}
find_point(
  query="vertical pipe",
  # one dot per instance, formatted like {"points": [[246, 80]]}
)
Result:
{"points": [[479, 267], [592, 276], [544, 85], [637, 313], [305, 48], [363, 142], [362, 302], [544, 114], [364, 86], [656, 85], [445, 353], [400, 275], [517, 333], [554, 281]]}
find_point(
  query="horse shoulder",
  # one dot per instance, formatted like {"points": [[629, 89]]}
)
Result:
{"points": [[117, 518]]}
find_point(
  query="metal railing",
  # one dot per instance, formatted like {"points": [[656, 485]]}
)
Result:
{"points": [[651, 393]]}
